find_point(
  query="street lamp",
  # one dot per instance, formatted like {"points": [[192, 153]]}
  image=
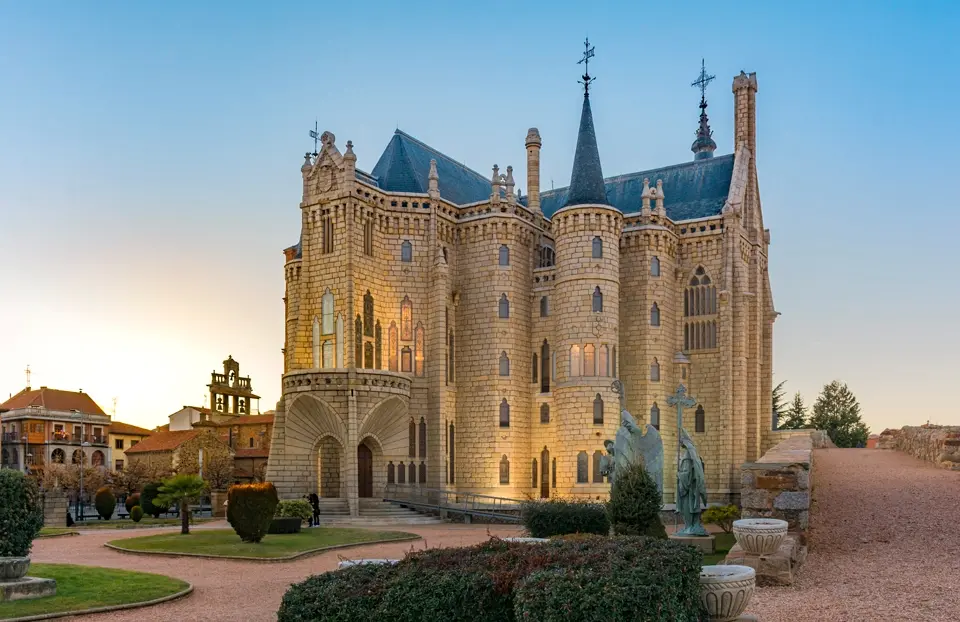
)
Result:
{"points": [[24, 439], [83, 444]]}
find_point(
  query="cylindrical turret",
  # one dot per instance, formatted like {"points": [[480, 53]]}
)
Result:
{"points": [[533, 143]]}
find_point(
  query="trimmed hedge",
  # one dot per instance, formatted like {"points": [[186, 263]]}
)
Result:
{"points": [[298, 508], [285, 524], [105, 503], [132, 500], [21, 513], [586, 578], [250, 509], [151, 490], [635, 502], [558, 517], [136, 513]]}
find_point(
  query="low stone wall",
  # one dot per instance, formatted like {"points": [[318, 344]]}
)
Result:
{"points": [[931, 443], [54, 508], [778, 485]]}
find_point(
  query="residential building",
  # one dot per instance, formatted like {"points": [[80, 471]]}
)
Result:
{"points": [[122, 437]]}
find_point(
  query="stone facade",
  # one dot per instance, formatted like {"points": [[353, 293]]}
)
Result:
{"points": [[55, 508], [939, 445], [461, 344]]}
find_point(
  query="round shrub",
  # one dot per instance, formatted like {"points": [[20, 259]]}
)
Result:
{"points": [[722, 516], [635, 502], [132, 501], [151, 490], [136, 513], [294, 508], [21, 513], [105, 503], [250, 509], [348, 595], [558, 517]]}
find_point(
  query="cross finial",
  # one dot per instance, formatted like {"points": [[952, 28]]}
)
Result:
{"points": [[27, 371], [587, 55], [702, 81], [315, 135]]}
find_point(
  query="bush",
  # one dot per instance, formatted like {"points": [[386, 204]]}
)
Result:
{"points": [[151, 491], [105, 503], [635, 502], [722, 515], [132, 500], [250, 508], [557, 517], [294, 508], [285, 524], [621, 578], [136, 513], [21, 513]]}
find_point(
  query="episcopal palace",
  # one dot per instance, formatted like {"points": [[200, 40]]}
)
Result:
{"points": [[446, 330]]}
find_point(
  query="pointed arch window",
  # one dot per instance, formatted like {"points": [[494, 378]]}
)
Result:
{"points": [[423, 472], [545, 367], [597, 300], [583, 468], [533, 473], [655, 370], [406, 251], [393, 345], [451, 368], [391, 473], [452, 453], [597, 248], [613, 362], [655, 416], [358, 342], [316, 342], [504, 255], [546, 257], [700, 420], [536, 367], [423, 439], [326, 313], [378, 347], [598, 410], [504, 413], [401, 474], [368, 314], [655, 315], [328, 354], [368, 355], [574, 360], [597, 475], [700, 295], [418, 339], [544, 413], [504, 470], [368, 238], [406, 319], [504, 307], [411, 438], [603, 359], [589, 360], [340, 341], [654, 266], [504, 364], [406, 359], [544, 306]]}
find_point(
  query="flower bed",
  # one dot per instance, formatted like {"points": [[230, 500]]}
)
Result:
{"points": [[588, 578]]}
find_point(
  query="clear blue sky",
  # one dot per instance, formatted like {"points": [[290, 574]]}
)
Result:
{"points": [[150, 155]]}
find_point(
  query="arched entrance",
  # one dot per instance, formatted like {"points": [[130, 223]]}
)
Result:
{"points": [[364, 471], [544, 474]]}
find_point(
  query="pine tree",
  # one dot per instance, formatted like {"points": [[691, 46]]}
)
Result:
{"points": [[796, 414], [838, 412], [779, 393]]}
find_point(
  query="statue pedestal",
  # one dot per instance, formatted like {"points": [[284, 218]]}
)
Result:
{"points": [[707, 544]]}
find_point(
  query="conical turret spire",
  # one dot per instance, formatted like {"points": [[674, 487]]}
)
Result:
{"points": [[703, 147], [586, 181]]}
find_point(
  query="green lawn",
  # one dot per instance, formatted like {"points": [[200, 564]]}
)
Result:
{"points": [[126, 523], [723, 544], [48, 532], [85, 587], [227, 543]]}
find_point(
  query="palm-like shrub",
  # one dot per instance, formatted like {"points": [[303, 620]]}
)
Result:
{"points": [[21, 513], [180, 490], [635, 503], [136, 513], [132, 501], [150, 492], [105, 503], [250, 508]]}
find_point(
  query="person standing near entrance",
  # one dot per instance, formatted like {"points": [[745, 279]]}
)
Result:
{"points": [[315, 502]]}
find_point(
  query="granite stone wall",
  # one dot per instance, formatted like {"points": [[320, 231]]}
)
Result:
{"points": [[778, 485], [54, 508], [931, 443]]}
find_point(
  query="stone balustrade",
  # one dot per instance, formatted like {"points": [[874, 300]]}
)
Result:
{"points": [[930, 443]]}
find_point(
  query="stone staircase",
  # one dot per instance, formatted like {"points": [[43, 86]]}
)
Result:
{"points": [[372, 512]]}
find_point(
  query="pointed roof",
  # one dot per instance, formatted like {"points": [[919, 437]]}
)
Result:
{"points": [[404, 166], [703, 147], [586, 181]]}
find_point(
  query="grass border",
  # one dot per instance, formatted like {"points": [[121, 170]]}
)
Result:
{"points": [[82, 612], [65, 534], [264, 560]]}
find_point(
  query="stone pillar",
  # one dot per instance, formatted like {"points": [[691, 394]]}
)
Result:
{"points": [[350, 455], [54, 508], [533, 143]]}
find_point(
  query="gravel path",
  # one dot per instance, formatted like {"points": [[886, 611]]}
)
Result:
{"points": [[884, 543], [232, 590]]}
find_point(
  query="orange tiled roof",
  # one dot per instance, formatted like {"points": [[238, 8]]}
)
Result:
{"points": [[164, 441], [251, 453], [118, 427], [247, 420], [53, 399]]}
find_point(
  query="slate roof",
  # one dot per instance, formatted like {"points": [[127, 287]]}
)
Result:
{"points": [[586, 180], [404, 166], [695, 189], [53, 399]]}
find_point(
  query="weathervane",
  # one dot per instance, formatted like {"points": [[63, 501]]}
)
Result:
{"points": [[702, 81], [315, 135], [587, 55]]}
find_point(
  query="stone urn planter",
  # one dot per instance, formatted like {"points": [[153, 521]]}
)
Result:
{"points": [[760, 536], [725, 591], [13, 568]]}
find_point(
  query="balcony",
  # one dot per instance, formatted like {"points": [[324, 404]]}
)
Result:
{"points": [[11, 437], [65, 438]]}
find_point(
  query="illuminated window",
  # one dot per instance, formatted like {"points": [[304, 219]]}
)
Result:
{"points": [[406, 359], [418, 340], [574, 360], [589, 360], [393, 346], [406, 319], [326, 313]]}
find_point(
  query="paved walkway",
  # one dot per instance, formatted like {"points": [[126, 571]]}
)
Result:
{"points": [[232, 590], [884, 543]]}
